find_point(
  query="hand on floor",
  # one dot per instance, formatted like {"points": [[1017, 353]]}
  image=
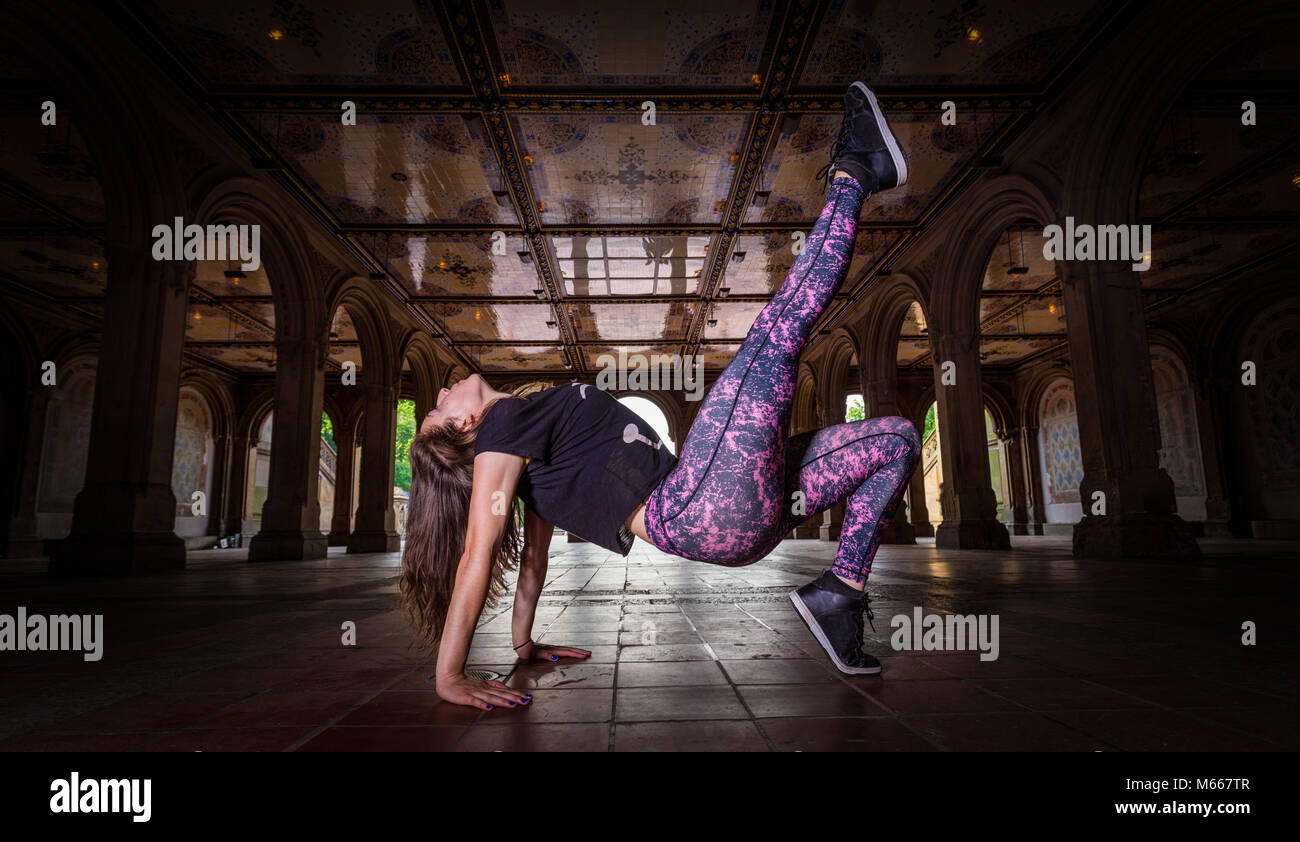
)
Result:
{"points": [[542, 652], [475, 692]]}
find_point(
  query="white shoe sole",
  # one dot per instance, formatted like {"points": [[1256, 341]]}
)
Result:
{"points": [[821, 638], [890, 141]]}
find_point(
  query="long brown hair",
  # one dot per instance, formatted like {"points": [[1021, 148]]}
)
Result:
{"points": [[437, 517]]}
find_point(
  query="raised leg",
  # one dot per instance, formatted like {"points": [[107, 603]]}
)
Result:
{"points": [[726, 493]]}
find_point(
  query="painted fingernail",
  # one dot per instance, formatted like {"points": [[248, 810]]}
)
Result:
{"points": [[512, 704], [489, 707], [555, 657]]}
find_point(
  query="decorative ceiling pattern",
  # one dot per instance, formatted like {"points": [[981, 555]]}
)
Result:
{"points": [[612, 170], [504, 183]]}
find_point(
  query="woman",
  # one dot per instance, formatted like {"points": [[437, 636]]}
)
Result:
{"points": [[578, 459]]}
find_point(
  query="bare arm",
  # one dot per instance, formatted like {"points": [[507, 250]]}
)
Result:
{"points": [[495, 477], [532, 576]]}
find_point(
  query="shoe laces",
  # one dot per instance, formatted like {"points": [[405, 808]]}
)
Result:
{"points": [[863, 607], [838, 146]]}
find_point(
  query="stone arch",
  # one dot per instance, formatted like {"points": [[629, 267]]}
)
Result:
{"points": [[217, 396], [805, 415], [1031, 392], [832, 371], [999, 408], [285, 253], [254, 413], [353, 415], [998, 204], [333, 409], [929, 396], [418, 346], [883, 326]]}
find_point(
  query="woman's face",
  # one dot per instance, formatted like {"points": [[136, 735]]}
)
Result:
{"points": [[458, 405]]}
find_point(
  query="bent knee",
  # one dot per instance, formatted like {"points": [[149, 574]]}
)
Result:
{"points": [[910, 435]]}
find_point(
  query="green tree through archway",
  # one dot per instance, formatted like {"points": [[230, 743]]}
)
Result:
{"points": [[405, 433]]}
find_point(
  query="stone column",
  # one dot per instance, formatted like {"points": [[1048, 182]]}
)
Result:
{"points": [[1031, 462], [236, 485], [810, 528], [341, 522], [969, 505], [1209, 429], [1018, 499], [880, 399], [1118, 427], [124, 518], [220, 475], [832, 523], [24, 530], [376, 530], [291, 514], [920, 512]]}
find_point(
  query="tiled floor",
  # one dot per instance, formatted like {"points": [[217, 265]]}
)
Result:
{"points": [[1094, 655]]}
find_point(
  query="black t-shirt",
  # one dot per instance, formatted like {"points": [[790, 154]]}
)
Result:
{"points": [[593, 459]]}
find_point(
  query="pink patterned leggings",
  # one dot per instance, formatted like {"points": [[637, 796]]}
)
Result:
{"points": [[741, 483]]}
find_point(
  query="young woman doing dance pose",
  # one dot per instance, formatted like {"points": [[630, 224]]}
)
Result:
{"points": [[578, 459]]}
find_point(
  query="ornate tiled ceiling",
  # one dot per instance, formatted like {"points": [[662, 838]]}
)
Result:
{"points": [[504, 184]]}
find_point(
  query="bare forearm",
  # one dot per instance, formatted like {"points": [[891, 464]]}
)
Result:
{"points": [[528, 589], [467, 600]]}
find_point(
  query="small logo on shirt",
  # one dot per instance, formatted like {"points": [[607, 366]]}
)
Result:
{"points": [[631, 434]]}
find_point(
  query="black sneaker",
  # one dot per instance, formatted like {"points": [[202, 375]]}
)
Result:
{"points": [[835, 619], [865, 147]]}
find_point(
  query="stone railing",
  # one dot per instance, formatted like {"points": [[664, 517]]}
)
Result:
{"points": [[329, 460], [400, 502]]}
